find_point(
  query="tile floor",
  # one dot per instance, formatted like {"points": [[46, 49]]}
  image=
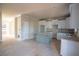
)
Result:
{"points": [[27, 48]]}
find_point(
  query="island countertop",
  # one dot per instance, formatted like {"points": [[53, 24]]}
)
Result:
{"points": [[73, 38]]}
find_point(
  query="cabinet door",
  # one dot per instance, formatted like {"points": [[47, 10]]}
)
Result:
{"points": [[74, 19], [42, 28]]}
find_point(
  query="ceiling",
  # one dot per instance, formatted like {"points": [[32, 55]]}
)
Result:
{"points": [[38, 10]]}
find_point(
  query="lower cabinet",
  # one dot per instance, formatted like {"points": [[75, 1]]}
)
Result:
{"points": [[69, 48]]}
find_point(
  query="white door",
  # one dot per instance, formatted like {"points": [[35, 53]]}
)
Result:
{"points": [[25, 30]]}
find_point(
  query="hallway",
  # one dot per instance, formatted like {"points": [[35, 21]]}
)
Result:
{"points": [[27, 48]]}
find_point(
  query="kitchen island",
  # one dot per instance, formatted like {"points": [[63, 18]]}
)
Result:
{"points": [[69, 46]]}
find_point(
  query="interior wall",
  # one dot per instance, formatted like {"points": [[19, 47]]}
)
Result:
{"points": [[0, 24]]}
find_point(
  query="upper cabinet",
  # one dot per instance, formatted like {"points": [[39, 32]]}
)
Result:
{"points": [[74, 12], [42, 26]]}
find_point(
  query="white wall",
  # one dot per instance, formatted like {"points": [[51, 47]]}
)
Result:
{"points": [[0, 24]]}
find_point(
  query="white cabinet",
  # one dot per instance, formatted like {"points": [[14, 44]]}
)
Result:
{"points": [[64, 23], [61, 24], [69, 47], [42, 26], [74, 12]]}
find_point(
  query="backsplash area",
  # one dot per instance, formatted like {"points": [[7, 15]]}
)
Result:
{"points": [[70, 31], [78, 32]]}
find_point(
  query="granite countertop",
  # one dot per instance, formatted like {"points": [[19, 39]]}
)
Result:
{"points": [[73, 38]]}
